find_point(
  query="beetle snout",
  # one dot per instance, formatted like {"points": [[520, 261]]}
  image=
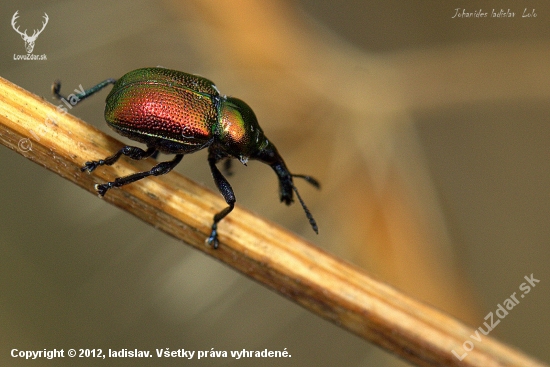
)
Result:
{"points": [[268, 154], [285, 182]]}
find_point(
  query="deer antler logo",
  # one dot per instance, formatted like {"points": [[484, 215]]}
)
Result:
{"points": [[29, 40]]}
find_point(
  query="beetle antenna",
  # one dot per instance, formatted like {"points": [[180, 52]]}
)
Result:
{"points": [[312, 221], [309, 179]]}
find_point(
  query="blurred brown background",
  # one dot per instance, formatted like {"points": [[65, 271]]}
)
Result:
{"points": [[429, 134]]}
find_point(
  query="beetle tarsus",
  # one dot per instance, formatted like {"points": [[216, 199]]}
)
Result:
{"points": [[91, 165], [102, 188], [56, 88], [212, 240], [160, 169]]}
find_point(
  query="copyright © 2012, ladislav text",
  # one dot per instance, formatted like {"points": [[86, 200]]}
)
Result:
{"points": [[140, 353]]}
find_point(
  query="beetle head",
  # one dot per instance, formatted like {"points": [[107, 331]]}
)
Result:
{"points": [[269, 155], [242, 137]]}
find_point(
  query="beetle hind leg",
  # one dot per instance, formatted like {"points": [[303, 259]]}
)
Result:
{"points": [[129, 151], [160, 169], [56, 87]]}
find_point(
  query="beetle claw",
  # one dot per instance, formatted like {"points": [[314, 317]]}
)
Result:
{"points": [[102, 189], [56, 87], [90, 166], [212, 240]]}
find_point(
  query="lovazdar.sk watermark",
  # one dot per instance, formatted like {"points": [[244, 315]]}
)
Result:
{"points": [[501, 312], [29, 40]]}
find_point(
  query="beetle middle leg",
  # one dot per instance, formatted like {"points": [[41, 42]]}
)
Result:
{"points": [[227, 192], [160, 169], [129, 151]]}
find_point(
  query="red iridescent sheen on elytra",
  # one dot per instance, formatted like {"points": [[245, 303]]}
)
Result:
{"points": [[166, 105]]}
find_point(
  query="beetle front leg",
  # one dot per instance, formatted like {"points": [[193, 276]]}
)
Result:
{"points": [[160, 169], [129, 151], [227, 192]]}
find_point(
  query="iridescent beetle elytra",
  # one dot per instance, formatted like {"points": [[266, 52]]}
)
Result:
{"points": [[177, 113]]}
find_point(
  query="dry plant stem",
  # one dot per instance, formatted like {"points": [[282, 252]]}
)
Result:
{"points": [[265, 252]]}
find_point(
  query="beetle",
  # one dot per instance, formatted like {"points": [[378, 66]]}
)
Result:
{"points": [[173, 112]]}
